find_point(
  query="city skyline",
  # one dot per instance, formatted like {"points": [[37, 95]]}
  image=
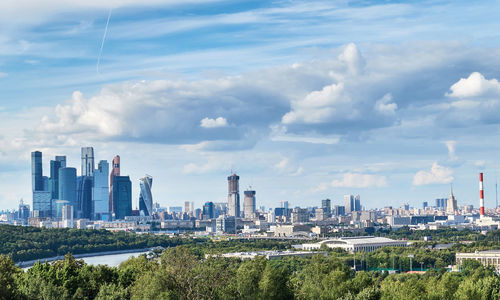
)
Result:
{"points": [[393, 103]]}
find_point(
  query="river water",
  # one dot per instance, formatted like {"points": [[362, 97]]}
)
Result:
{"points": [[112, 260]]}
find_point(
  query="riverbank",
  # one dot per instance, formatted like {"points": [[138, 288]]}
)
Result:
{"points": [[30, 263]]}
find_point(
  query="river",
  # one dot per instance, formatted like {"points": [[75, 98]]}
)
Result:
{"points": [[112, 260]]}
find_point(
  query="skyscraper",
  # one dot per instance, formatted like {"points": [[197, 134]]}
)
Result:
{"points": [[100, 192], [451, 206], [349, 203], [55, 165], [326, 205], [249, 204], [83, 208], [146, 197], [233, 198], [208, 211], [122, 197], [87, 161], [357, 203], [67, 185], [115, 171], [61, 159], [36, 171]]}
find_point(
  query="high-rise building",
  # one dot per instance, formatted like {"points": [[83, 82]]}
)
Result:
{"points": [[441, 203], [357, 203], [451, 206], [122, 197], [42, 203], [62, 160], [145, 197], [339, 210], [100, 192], [23, 212], [115, 171], [249, 204], [67, 185], [225, 224], [84, 203], [87, 161], [208, 211], [67, 216], [36, 171], [55, 165], [326, 205], [233, 198], [349, 203], [425, 204]]}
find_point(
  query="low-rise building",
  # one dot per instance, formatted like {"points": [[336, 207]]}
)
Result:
{"points": [[486, 258], [356, 244]]}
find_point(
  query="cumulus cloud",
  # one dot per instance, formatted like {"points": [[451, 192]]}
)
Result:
{"points": [[385, 105], [352, 58], [357, 180], [475, 85], [437, 174], [286, 166], [213, 123]]}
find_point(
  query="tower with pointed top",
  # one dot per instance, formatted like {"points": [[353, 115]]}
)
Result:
{"points": [[451, 206]]}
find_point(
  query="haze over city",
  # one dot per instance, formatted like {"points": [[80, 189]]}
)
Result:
{"points": [[394, 103]]}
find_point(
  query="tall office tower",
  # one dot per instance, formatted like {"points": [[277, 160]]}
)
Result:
{"points": [[186, 207], [349, 203], [36, 171], [122, 197], [451, 206], [233, 198], [249, 204], [62, 160], [87, 161], [357, 203], [425, 205], [115, 171], [100, 192], [67, 185], [146, 198], [326, 205], [23, 212], [67, 216], [83, 208], [208, 211], [55, 165]]}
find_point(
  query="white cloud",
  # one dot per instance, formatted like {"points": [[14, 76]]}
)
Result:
{"points": [[385, 105], [474, 86], [213, 123], [437, 174], [352, 58], [451, 145], [357, 180], [279, 134], [3, 74], [287, 167]]}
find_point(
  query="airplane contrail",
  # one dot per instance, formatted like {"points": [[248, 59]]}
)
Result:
{"points": [[103, 39]]}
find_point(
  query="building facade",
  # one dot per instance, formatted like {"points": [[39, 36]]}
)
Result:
{"points": [[100, 192], [67, 185], [249, 204], [146, 197], [233, 198], [87, 161], [122, 197]]}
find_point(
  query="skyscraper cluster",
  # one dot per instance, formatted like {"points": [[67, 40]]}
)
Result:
{"points": [[233, 199], [88, 196]]}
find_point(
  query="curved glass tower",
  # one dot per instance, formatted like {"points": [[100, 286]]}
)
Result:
{"points": [[146, 198]]}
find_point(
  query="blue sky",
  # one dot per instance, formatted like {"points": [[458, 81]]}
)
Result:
{"points": [[305, 100]]}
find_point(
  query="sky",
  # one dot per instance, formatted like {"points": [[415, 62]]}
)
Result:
{"points": [[304, 100]]}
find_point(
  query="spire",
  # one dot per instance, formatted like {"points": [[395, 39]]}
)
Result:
{"points": [[451, 190]]}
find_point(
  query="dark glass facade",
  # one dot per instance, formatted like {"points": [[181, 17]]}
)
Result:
{"points": [[122, 197]]}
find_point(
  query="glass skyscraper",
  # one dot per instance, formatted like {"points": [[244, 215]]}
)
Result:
{"points": [[83, 208], [36, 171], [122, 197], [67, 185], [100, 192], [146, 198], [87, 161]]}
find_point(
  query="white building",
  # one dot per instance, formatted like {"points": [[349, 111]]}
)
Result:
{"points": [[486, 258], [356, 244]]}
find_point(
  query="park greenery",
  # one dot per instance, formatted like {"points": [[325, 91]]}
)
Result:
{"points": [[187, 269], [181, 273]]}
